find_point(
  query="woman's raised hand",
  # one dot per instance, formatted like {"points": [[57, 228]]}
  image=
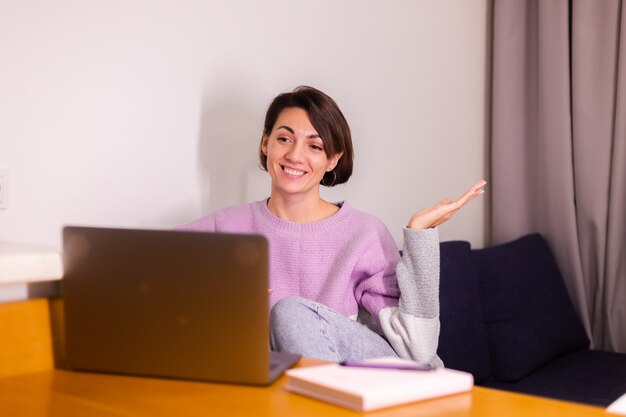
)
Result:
{"points": [[445, 209]]}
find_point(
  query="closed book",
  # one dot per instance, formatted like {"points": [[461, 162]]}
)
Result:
{"points": [[618, 406], [366, 389]]}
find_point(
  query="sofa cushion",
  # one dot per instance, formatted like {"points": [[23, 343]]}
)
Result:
{"points": [[587, 376], [529, 317], [462, 339]]}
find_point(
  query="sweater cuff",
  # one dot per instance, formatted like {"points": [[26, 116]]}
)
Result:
{"points": [[416, 239]]}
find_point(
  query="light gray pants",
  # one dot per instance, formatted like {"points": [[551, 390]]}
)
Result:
{"points": [[311, 329]]}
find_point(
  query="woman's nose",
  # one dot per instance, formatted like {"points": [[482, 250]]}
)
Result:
{"points": [[295, 154]]}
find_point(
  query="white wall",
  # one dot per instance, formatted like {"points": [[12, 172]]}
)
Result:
{"points": [[148, 113]]}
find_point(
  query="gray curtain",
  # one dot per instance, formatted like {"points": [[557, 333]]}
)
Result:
{"points": [[558, 147]]}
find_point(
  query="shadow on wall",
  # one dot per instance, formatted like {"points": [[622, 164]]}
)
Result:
{"points": [[230, 131]]}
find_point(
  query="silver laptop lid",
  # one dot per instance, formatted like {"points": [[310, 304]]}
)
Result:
{"points": [[166, 303]]}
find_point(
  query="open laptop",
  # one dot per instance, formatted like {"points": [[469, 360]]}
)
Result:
{"points": [[169, 304]]}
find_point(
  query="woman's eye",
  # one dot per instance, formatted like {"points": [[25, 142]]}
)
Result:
{"points": [[282, 139], [316, 147]]}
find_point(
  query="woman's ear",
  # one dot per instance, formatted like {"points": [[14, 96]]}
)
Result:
{"points": [[264, 139], [334, 160]]}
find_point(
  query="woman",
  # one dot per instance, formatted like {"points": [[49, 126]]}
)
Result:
{"points": [[339, 288]]}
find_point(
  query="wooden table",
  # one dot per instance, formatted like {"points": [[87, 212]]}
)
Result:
{"points": [[39, 390], [63, 393]]}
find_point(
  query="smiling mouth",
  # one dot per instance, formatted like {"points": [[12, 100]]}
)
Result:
{"points": [[293, 172]]}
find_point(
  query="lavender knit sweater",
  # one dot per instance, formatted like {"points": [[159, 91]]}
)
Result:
{"points": [[350, 263]]}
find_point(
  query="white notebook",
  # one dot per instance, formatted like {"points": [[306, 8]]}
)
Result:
{"points": [[618, 406], [365, 389]]}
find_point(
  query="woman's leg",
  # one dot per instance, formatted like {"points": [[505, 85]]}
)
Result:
{"points": [[311, 329]]}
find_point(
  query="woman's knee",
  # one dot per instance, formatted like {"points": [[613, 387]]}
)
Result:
{"points": [[290, 324], [291, 308]]}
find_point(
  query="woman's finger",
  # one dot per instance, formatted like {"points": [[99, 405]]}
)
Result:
{"points": [[474, 191], [446, 209]]}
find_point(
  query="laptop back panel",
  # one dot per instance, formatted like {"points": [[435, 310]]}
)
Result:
{"points": [[167, 304]]}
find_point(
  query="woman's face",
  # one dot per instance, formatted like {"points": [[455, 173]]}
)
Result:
{"points": [[296, 160]]}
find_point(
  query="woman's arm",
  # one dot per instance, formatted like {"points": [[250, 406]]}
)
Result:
{"points": [[412, 328]]}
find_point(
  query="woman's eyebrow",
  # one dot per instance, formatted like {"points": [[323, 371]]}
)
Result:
{"points": [[290, 130]]}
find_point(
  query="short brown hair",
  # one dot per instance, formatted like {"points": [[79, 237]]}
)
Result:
{"points": [[328, 121]]}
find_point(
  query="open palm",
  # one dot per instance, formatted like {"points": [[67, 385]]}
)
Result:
{"points": [[445, 209]]}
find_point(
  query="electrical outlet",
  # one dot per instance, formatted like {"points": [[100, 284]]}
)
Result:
{"points": [[4, 188]]}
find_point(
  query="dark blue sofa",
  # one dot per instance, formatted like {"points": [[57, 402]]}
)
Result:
{"points": [[506, 317]]}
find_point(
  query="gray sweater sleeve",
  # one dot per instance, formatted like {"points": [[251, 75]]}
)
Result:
{"points": [[412, 328]]}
